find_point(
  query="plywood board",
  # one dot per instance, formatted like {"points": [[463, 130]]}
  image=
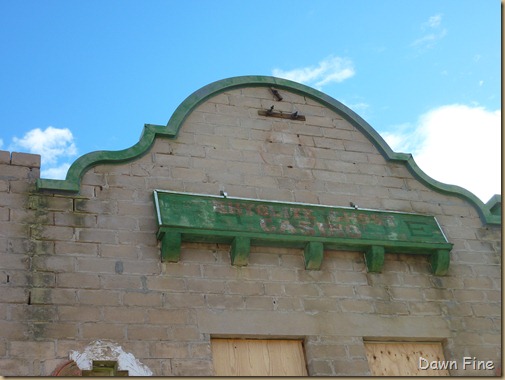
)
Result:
{"points": [[402, 359], [258, 357]]}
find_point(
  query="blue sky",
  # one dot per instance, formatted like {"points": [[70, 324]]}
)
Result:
{"points": [[78, 76]]}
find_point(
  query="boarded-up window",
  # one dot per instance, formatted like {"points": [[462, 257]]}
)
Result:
{"points": [[407, 359], [258, 357]]}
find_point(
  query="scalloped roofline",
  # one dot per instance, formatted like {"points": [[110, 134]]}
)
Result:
{"points": [[489, 212]]}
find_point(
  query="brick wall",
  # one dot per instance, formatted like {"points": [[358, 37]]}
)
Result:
{"points": [[76, 268]]}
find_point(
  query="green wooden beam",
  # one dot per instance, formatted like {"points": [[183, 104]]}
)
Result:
{"points": [[374, 259], [313, 254], [245, 222], [440, 262], [171, 247], [240, 250]]}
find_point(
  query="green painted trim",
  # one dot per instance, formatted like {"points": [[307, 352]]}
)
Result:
{"points": [[374, 259], [171, 247], [488, 212], [440, 262], [240, 251], [313, 255], [72, 182], [243, 222]]}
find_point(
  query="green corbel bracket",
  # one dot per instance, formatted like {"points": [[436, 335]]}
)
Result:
{"points": [[440, 262], [171, 247], [240, 251], [374, 258], [313, 254]]}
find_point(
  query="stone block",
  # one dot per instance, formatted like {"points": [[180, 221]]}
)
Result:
{"points": [[169, 317], [99, 297], [25, 159], [78, 280], [146, 332], [79, 313], [99, 330], [142, 299], [124, 314]]}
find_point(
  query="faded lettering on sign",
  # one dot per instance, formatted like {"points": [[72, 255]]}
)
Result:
{"points": [[295, 220]]}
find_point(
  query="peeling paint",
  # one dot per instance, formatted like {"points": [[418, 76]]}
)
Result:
{"points": [[107, 350]]}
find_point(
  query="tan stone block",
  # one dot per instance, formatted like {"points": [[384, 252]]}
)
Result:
{"points": [[15, 261], [9, 294], [78, 313], [49, 296], [221, 301], [169, 317], [301, 290], [149, 265], [244, 288], [98, 297], [396, 205], [245, 101], [146, 332], [16, 230], [192, 367], [260, 303], [100, 330], [5, 157], [407, 294], [178, 300], [96, 265], [16, 367], [12, 172], [120, 282], [320, 368], [169, 350], [479, 324], [72, 219], [397, 308], [221, 119], [75, 248], [358, 367], [243, 167], [94, 235], [200, 350], [142, 238], [54, 330], [126, 314], [487, 310], [142, 299], [205, 286], [25, 159], [216, 141], [78, 280], [325, 351], [113, 222], [332, 290], [232, 131]]}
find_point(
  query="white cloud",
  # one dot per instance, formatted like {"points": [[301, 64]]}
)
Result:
{"points": [[332, 69], [434, 33], [1, 143], [456, 144], [433, 21], [56, 172], [52, 144]]}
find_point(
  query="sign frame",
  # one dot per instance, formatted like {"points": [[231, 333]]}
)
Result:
{"points": [[242, 222]]}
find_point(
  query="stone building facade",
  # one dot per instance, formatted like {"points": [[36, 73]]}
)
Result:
{"points": [[81, 259]]}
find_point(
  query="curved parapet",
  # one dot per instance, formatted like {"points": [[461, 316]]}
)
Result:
{"points": [[490, 212]]}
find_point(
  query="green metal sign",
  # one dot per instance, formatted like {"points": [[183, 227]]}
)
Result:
{"points": [[245, 222]]}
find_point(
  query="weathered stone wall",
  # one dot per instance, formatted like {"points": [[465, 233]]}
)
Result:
{"points": [[76, 268]]}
